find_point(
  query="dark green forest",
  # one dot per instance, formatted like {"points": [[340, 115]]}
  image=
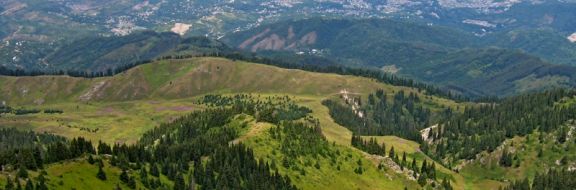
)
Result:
{"points": [[485, 127], [402, 115]]}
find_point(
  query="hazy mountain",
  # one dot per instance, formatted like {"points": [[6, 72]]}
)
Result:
{"points": [[32, 28], [440, 55]]}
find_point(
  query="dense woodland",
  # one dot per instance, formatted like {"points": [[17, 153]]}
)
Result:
{"points": [[402, 115], [485, 127], [31, 151]]}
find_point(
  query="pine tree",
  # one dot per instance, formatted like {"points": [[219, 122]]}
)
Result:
{"points": [[432, 171], [154, 171], [446, 184], [391, 154], [424, 168], [9, 185], [131, 183], [101, 175], [29, 185], [22, 172], [506, 158], [91, 160], [414, 166], [403, 164], [422, 179], [41, 182], [124, 176], [179, 183], [18, 185]]}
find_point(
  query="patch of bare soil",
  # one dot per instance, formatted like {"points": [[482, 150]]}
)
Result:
{"points": [[309, 38], [273, 41], [392, 69], [389, 163], [251, 40], [572, 38], [87, 96], [426, 133], [181, 28], [12, 8]]}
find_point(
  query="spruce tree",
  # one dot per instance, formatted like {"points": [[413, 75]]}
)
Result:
{"points": [[29, 185], [101, 175], [9, 185], [22, 172], [124, 176], [179, 183]]}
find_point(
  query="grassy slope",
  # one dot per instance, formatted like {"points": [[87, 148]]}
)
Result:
{"points": [[79, 174], [128, 104], [486, 172], [328, 176]]}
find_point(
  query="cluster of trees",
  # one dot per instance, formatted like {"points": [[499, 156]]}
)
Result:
{"points": [[14, 184], [53, 111], [31, 151], [22, 111], [271, 109], [506, 159], [235, 167], [427, 170], [37, 150], [371, 146], [485, 127], [300, 139], [5, 109], [25, 150], [401, 115], [553, 179]]}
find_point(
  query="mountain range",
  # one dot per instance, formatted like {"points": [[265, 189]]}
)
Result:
{"points": [[288, 94]]}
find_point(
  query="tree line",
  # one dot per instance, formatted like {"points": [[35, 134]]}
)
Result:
{"points": [[294, 63]]}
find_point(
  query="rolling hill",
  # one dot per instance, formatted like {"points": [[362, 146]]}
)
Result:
{"points": [[122, 108], [147, 102]]}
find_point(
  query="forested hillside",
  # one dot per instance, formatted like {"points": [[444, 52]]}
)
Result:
{"points": [[526, 139], [444, 56], [296, 129]]}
